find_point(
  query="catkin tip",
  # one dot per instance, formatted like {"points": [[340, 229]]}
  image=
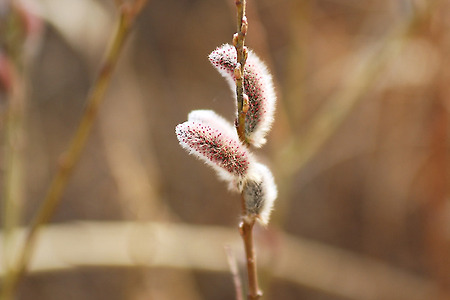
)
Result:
{"points": [[212, 139]]}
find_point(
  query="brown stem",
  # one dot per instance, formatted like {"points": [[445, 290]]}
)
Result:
{"points": [[239, 41], [246, 226], [246, 230]]}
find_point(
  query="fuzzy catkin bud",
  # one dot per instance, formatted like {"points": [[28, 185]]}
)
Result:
{"points": [[259, 192], [210, 138], [258, 86], [208, 116]]}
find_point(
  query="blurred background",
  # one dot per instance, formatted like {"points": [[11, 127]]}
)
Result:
{"points": [[359, 150]]}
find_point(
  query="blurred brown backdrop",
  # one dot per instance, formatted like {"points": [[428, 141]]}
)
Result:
{"points": [[359, 148]]}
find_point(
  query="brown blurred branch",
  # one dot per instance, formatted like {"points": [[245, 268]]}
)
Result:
{"points": [[300, 261], [372, 62], [13, 138], [435, 170], [234, 272], [72, 155], [20, 35]]}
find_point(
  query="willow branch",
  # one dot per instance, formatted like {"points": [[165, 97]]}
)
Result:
{"points": [[246, 229], [238, 42], [246, 226]]}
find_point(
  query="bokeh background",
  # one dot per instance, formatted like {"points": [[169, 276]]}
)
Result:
{"points": [[359, 151]]}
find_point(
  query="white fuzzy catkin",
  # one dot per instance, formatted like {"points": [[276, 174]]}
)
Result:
{"points": [[258, 86], [211, 139], [208, 116], [259, 192]]}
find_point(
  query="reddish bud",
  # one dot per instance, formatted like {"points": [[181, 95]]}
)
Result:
{"points": [[212, 139], [235, 39], [6, 73], [244, 25], [258, 87]]}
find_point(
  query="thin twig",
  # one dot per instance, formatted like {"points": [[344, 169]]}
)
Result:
{"points": [[13, 172], [72, 155], [234, 272], [246, 230], [246, 226], [301, 149], [15, 58], [238, 42]]}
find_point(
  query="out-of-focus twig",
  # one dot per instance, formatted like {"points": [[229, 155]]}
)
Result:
{"points": [[71, 157], [20, 36], [436, 208], [13, 154], [234, 271], [182, 246], [13, 180], [301, 149]]}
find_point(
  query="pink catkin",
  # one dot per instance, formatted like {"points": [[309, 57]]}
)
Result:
{"points": [[258, 86], [221, 151], [210, 117]]}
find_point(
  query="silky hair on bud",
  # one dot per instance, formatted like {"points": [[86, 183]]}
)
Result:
{"points": [[258, 86], [259, 192], [211, 117], [217, 146]]}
